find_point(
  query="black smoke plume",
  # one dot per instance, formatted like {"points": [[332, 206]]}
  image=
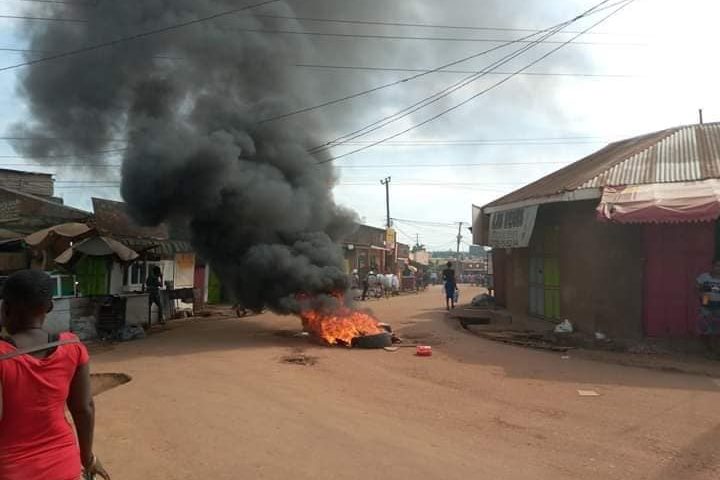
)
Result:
{"points": [[190, 104]]}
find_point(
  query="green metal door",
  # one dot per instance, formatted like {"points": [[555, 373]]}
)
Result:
{"points": [[92, 275], [214, 289], [551, 272]]}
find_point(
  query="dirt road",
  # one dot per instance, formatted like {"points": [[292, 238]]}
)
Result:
{"points": [[212, 398]]}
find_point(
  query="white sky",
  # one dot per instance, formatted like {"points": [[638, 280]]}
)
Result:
{"points": [[673, 63]]}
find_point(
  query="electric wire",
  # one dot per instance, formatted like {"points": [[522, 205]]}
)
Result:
{"points": [[484, 91]]}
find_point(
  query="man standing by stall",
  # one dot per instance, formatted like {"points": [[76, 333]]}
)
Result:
{"points": [[153, 284]]}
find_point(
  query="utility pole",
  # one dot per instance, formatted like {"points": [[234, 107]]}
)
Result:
{"points": [[459, 239], [417, 240], [386, 182]]}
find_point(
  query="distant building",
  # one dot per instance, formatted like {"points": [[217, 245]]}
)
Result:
{"points": [[365, 249], [615, 241], [28, 204], [476, 251], [421, 256]]}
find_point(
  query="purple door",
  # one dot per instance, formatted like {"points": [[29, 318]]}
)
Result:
{"points": [[675, 254]]}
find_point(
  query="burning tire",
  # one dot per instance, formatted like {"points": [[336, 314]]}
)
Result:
{"points": [[380, 340]]}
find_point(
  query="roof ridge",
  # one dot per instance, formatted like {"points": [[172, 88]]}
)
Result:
{"points": [[633, 154], [589, 170]]}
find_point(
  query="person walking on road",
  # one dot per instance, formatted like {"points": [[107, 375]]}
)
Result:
{"points": [[41, 374], [448, 276]]}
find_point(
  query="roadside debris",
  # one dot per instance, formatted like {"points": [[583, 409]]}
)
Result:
{"points": [[565, 357], [588, 393], [299, 358], [129, 333], [423, 351], [564, 327], [523, 339], [483, 300], [391, 349]]}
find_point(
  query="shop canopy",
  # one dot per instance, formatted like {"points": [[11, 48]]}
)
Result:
{"points": [[65, 231], [661, 202], [97, 247]]}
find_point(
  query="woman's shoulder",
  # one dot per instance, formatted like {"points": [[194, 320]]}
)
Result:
{"points": [[76, 346], [68, 337]]}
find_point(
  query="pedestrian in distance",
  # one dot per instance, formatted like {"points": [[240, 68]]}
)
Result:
{"points": [[41, 374], [153, 284], [366, 284], [448, 276]]}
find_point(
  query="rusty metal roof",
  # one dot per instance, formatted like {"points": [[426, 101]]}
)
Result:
{"points": [[163, 248], [677, 154]]}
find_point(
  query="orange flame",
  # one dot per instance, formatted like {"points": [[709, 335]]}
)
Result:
{"points": [[340, 326]]}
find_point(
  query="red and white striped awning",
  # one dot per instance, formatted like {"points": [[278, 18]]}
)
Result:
{"points": [[661, 202]]}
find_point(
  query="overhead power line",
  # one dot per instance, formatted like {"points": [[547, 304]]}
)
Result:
{"points": [[345, 22], [449, 165], [60, 165], [482, 92], [418, 140], [414, 25], [427, 223], [82, 155], [436, 97], [60, 139], [421, 37], [137, 36], [44, 19], [406, 79], [64, 2], [410, 70], [403, 165], [379, 69], [334, 21], [471, 144]]}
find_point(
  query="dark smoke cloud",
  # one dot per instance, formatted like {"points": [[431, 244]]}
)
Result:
{"points": [[189, 101], [259, 207]]}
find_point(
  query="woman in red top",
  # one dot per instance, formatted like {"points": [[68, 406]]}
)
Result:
{"points": [[36, 440]]}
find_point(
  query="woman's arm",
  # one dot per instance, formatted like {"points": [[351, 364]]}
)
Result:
{"points": [[82, 408]]}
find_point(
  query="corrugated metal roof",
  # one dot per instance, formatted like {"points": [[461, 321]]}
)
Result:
{"points": [[165, 248], [678, 154]]}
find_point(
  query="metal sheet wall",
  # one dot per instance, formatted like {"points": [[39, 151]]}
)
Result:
{"points": [[675, 255]]}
